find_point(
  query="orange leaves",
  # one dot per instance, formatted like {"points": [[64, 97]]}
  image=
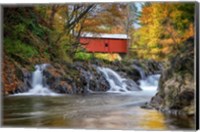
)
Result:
{"points": [[164, 26], [110, 18], [146, 17], [190, 32], [166, 50], [9, 78]]}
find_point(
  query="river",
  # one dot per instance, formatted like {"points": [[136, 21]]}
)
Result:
{"points": [[108, 110], [96, 111]]}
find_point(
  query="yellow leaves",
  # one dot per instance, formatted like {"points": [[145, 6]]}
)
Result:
{"points": [[143, 52], [107, 56], [164, 26], [155, 51]]}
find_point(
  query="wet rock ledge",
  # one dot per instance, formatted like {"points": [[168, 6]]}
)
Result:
{"points": [[177, 87], [80, 77]]}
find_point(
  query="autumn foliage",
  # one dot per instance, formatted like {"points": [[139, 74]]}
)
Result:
{"points": [[43, 33], [163, 29]]}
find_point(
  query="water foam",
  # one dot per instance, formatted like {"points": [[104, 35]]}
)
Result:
{"points": [[38, 85], [118, 84]]}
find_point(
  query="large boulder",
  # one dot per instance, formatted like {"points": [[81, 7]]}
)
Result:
{"points": [[79, 78], [131, 85], [57, 80], [91, 79], [177, 85], [25, 78], [175, 94]]}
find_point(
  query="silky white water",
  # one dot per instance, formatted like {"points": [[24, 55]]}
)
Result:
{"points": [[150, 84], [38, 87], [118, 84], [115, 81]]}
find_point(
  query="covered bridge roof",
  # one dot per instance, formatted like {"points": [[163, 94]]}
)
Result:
{"points": [[111, 36]]}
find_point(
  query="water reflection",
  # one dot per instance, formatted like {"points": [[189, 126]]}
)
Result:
{"points": [[97, 111], [152, 119]]}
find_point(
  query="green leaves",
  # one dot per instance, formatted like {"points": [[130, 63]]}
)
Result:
{"points": [[16, 47], [83, 56], [21, 28]]}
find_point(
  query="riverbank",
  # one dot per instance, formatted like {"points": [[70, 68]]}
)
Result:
{"points": [[84, 77], [76, 78]]}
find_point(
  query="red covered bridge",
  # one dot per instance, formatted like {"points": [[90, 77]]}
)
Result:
{"points": [[105, 43]]}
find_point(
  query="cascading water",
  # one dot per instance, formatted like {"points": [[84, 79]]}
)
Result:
{"points": [[117, 83], [122, 85], [150, 84], [38, 85], [140, 70]]}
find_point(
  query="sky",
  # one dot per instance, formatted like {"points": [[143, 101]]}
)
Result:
{"points": [[139, 8]]}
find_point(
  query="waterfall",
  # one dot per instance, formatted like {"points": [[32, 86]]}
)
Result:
{"points": [[150, 83], [140, 70], [38, 84], [117, 83]]}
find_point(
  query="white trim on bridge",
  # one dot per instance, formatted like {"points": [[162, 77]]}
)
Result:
{"points": [[112, 36]]}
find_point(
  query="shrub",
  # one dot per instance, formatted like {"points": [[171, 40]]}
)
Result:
{"points": [[17, 47], [83, 56]]}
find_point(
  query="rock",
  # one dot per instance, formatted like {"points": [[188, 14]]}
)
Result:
{"points": [[176, 86], [174, 94], [146, 106], [131, 85], [131, 72], [98, 83], [57, 80], [71, 78], [93, 80], [64, 87], [80, 78], [15, 77]]}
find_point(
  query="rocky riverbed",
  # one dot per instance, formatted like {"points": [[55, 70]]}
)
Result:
{"points": [[175, 92], [77, 78]]}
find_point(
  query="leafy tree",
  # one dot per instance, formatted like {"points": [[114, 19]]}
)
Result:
{"points": [[107, 18], [164, 26], [53, 31]]}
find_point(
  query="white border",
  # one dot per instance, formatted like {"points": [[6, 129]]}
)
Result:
{"points": [[82, 1], [67, 1]]}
